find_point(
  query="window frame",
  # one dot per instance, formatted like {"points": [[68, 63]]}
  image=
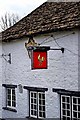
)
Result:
{"points": [[11, 99], [7, 107], [35, 89], [76, 104], [41, 104], [65, 103], [71, 107], [67, 93], [33, 104], [37, 104]]}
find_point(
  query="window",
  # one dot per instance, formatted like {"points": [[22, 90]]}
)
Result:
{"points": [[37, 104], [66, 114], [33, 104], [41, 104], [76, 108], [11, 98], [70, 107], [10, 102], [36, 101]]}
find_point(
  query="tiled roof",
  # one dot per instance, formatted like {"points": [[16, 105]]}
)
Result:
{"points": [[50, 16]]}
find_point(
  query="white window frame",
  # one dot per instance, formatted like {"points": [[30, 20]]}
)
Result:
{"points": [[71, 107], [39, 104], [11, 100], [37, 116], [77, 107], [30, 105], [66, 106]]}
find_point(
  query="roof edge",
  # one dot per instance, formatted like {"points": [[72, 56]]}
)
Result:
{"points": [[38, 33]]}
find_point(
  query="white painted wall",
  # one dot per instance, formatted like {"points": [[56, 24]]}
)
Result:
{"points": [[0, 76], [79, 60], [62, 72]]}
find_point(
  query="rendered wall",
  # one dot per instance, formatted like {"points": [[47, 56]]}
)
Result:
{"points": [[62, 72], [0, 76], [79, 60]]}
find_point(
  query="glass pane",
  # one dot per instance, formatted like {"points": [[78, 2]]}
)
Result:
{"points": [[9, 91], [74, 119], [13, 97], [13, 91], [31, 106], [34, 95], [35, 113], [64, 112], [40, 114], [9, 97], [43, 108], [68, 118], [40, 108], [74, 107], [43, 96], [43, 102], [67, 100], [35, 107], [31, 94], [79, 108], [9, 103], [44, 114], [75, 114], [74, 100], [78, 100], [78, 115], [35, 101], [64, 118], [39, 95], [13, 104], [40, 102], [31, 100], [68, 113], [68, 106], [63, 106], [63, 99], [31, 112]]}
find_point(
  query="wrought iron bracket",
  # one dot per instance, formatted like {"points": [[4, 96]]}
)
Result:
{"points": [[62, 49], [42, 48], [9, 59]]}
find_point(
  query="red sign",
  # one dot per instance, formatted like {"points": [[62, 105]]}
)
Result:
{"points": [[39, 60]]}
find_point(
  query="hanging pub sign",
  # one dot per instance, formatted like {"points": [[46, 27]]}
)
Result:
{"points": [[38, 54], [39, 57]]}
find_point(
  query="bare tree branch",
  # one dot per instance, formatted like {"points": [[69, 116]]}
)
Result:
{"points": [[8, 20]]}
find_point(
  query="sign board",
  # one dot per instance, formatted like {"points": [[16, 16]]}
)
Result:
{"points": [[39, 58]]}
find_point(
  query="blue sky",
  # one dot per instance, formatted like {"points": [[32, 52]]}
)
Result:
{"points": [[20, 7]]}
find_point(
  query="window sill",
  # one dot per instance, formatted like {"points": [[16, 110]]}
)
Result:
{"points": [[10, 109], [32, 118]]}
